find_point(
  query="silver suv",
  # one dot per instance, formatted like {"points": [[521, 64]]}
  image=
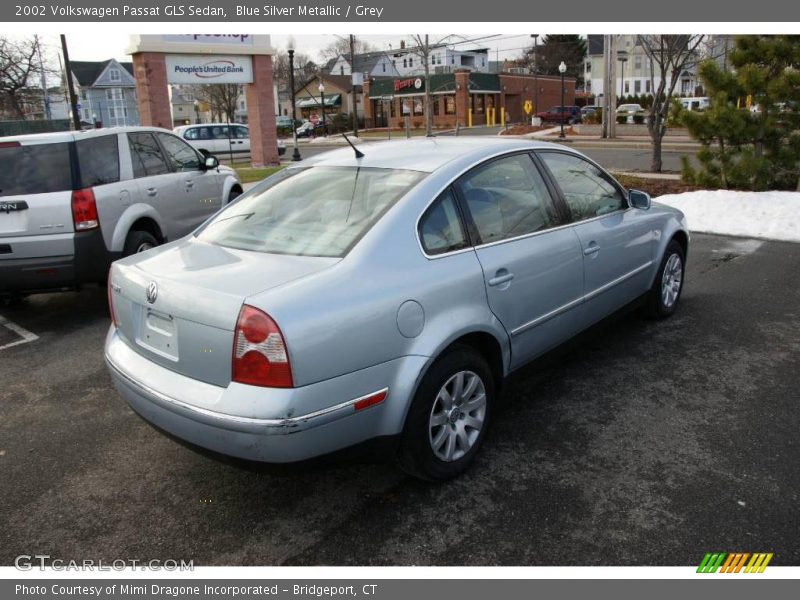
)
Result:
{"points": [[72, 202]]}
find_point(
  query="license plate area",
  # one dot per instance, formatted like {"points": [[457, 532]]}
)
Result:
{"points": [[158, 333]]}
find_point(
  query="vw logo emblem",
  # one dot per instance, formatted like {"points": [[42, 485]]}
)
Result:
{"points": [[152, 292]]}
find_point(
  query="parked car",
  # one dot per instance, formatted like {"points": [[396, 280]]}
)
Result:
{"points": [[220, 139], [695, 103], [629, 110], [72, 202], [387, 296], [561, 114], [589, 109]]}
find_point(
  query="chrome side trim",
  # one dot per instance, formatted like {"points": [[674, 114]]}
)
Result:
{"points": [[617, 281], [546, 317], [561, 309], [242, 424]]}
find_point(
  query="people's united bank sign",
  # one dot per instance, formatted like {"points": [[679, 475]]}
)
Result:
{"points": [[198, 68]]}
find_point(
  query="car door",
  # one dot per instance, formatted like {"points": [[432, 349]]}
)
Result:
{"points": [[240, 140], [617, 242], [532, 265], [201, 187], [157, 184]]}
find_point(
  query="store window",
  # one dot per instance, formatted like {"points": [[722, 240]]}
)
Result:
{"points": [[476, 100], [419, 108], [449, 105]]}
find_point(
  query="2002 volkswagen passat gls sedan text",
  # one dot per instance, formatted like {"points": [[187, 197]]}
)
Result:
{"points": [[348, 298]]}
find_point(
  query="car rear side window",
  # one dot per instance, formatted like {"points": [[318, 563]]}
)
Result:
{"points": [[507, 198], [588, 191], [34, 169], [146, 155], [98, 160], [318, 211], [440, 228]]}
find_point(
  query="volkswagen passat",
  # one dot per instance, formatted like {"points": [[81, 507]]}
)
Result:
{"points": [[353, 297]]}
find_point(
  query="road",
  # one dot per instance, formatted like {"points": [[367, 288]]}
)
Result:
{"points": [[640, 443], [616, 159]]}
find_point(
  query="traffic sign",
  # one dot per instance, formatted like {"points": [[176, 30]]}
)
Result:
{"points": [[528, 106]]}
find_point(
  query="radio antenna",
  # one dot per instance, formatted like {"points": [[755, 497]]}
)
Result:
{"points": [[358, 152]]}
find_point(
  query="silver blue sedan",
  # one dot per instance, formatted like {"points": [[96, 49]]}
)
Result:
{"points": [[354, 297]]}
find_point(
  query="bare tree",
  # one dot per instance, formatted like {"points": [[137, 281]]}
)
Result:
{"points": [[342, 46], [20, 69], [222, 99], [669, 56], [304, 68], [423, 48]]}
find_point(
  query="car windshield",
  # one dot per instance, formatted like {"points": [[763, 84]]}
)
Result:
{"points": [[316, 211]]}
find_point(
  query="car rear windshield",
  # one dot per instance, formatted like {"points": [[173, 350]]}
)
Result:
{"points": [[34, 169], [317, 211]]}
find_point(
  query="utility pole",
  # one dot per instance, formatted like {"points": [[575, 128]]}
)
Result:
{"points": [[610, 86], [353, 82], [73, 100]]}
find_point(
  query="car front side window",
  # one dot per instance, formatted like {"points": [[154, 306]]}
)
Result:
{"points": [[507, 198], [181, 154], [146, 155], [587, 190]]}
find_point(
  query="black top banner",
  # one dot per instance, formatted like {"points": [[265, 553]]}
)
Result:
{"points": [[496, 11]]}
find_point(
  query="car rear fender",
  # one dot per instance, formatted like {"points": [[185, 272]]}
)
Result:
{"points": [[132, 214]]}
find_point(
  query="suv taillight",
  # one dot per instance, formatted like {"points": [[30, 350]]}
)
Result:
{"points": [[84, 210], [260, 356]]}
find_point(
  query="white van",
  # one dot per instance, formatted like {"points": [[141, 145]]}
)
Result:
{"points": [[220, 139], [701, 103]]}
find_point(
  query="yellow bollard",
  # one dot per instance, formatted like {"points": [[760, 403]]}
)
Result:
{"points": [[502, 117], [469, 117]]}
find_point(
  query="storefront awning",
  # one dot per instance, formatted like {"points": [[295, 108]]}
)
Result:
{"points": [[314, 102]]}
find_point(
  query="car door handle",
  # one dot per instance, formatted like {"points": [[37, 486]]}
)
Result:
{"points": [[501, 279], [152, 191], [592, 248]]}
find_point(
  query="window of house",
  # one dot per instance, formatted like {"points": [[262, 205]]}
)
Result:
{"points": [[113, 74], [410, 62], [112, 113], [341, 70], [637, 62], [588, 67], [405, 63], [449, 105], [383, 66], [647, 85], [627, 87], [637, 86]]}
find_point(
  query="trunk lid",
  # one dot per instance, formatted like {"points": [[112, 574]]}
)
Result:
{"points": [[197, 290]]}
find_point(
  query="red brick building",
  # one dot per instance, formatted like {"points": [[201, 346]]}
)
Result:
{"points": [[389, 101]]}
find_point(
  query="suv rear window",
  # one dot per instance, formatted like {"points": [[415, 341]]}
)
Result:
{"points": [[35, 169], [317, 211], [99, 160]]}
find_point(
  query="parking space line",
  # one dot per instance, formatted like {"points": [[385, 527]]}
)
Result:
{"points": [[23, 333]]}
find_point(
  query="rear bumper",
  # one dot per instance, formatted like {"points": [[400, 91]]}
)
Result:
{"points": [[88, 263], [281, 428]]}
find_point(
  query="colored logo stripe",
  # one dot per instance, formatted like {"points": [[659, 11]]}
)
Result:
{"points": [[734, 562]]}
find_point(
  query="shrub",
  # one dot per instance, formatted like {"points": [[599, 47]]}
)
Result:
{"points": [[622, 119], [638, 118]]}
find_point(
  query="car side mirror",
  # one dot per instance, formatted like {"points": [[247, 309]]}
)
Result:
{"points": [[211, 162], [639, 199]]}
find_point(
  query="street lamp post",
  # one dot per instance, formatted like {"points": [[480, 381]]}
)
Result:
{"points": [[322, 104], [197, 112], [623, 58], [535, 37], [562, 68], [296, 154]]}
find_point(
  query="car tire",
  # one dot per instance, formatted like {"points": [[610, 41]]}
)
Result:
{"points": [[138, 241], [663, 297], [233, 195], [440, 439]]}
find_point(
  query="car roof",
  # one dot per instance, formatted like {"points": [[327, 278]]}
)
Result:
{"points": [[69, 136], [423, 154]]}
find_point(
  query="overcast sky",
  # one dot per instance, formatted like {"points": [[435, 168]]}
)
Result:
{"points": [[100, 46]]}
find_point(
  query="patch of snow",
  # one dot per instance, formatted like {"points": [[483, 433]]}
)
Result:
{"points": [[766, 215]]}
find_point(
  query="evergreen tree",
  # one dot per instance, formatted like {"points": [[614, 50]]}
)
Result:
{"points": [[569, 48], [751, 132]]}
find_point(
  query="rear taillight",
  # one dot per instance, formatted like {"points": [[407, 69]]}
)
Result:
{"points": [[84, 210], [260, 356], [111, 301]]}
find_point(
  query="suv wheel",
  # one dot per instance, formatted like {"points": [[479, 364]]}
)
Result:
{"points": [[138, 241], [448, 417]]}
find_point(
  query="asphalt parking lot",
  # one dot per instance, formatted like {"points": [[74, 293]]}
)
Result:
{"points": [[640, 443]]}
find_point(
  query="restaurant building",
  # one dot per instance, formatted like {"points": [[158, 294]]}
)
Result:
{"points": [[461, 96]]}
